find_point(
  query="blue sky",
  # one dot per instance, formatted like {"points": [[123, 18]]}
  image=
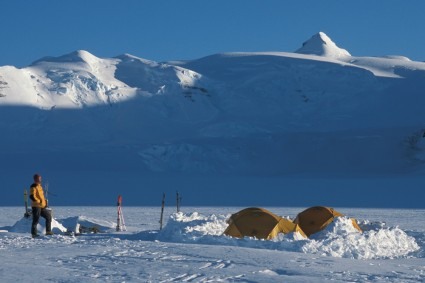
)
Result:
{"points": [[169, 30]]}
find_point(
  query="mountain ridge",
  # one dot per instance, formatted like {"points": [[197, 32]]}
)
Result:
{"points": [[265, 115]]}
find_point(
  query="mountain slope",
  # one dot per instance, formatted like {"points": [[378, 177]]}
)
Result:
{"points": [[315, 113]]}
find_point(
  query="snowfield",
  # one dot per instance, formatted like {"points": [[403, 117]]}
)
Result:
{"points": [[191, 248]]}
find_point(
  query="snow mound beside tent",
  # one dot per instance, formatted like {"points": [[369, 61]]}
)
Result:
{"points": [[340, 239], [193, 227]]}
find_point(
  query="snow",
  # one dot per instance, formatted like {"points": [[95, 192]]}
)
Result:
{"points": [[318, 126], [217, 126], [320, 44], [341, 239], [191, 247]]}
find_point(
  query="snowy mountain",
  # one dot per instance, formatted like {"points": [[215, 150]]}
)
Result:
{"points": [[80, 79], [320, 44], [245, 117]]}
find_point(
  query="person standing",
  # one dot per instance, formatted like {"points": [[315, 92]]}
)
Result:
{"points": [[39, 207]]}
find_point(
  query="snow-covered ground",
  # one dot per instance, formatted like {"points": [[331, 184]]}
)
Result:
{"points": [[191, 248]]}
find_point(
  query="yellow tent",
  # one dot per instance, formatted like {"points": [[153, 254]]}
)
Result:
{"points": [[259, 223], [315, 219]]}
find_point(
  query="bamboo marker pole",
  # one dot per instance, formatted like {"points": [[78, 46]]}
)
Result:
{"points": [[26, 214], [120, 216], [162, 211], [178, 201]]}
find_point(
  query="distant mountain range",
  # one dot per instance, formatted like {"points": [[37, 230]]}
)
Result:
{"points": [[319, 111]]}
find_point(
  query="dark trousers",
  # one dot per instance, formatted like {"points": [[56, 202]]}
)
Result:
{"points": [[45, 213]]}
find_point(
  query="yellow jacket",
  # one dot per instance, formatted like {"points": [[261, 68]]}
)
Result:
{"points": [[37, 196]]}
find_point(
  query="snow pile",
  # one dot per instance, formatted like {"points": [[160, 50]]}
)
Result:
{"points": [[72, 224], [85, 224], [341, 239], [24, 226], [193, 227]]}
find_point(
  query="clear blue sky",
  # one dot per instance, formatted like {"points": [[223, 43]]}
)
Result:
{"points": [[188, 29]]}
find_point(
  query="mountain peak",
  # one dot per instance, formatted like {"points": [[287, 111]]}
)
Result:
{"points": [[78, 56], [131, 58], [320, 44]]}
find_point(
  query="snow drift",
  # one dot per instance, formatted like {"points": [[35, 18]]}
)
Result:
{"points": [[339, 239], [24, 226], [72, 225], [191, 248]]}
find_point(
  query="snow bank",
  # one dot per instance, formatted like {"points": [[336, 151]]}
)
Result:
{"points": [[339, 239], [71, 224], [24, 226], [87, 224], [193, 227]]}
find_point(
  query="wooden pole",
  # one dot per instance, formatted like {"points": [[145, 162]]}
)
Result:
{"points": [[162, 211], [178, 201], [27, 214], [119, 218], [47, 193]]}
